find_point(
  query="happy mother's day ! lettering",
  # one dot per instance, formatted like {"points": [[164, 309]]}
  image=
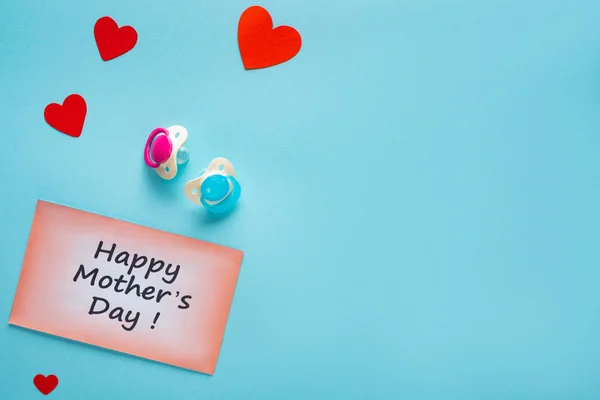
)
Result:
{"points": [[127, 284]]}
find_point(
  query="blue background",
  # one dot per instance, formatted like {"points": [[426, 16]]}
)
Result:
{"points": [[421, 183]]}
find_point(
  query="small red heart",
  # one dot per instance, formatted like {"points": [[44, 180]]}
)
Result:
{"points": [[113, 41], [261, 46], [69, 117], [45, 384]]}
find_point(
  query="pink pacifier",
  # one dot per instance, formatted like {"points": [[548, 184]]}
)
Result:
{"points": [[164, 150]]}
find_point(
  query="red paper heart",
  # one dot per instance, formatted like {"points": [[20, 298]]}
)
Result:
{"points": [[45, 384], [113, 41], [69, 117], [261, 46]]}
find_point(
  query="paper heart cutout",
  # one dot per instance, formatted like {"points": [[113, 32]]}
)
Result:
{"points": [[45, 384], [113, 41], [69, 117], [261, 46]]}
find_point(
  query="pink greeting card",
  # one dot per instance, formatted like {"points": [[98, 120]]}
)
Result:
{"points": [[126, 287]]}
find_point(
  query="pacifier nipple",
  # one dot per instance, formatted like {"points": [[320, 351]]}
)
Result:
{"points": [[183, 155]]}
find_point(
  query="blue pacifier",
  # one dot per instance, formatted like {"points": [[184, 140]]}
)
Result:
{"points": [[216, 188]]}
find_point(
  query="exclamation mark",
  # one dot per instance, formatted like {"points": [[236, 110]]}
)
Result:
{"points": [[155, 319]]}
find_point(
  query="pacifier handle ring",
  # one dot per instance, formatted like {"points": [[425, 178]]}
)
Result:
{"points": [[153, 135]]}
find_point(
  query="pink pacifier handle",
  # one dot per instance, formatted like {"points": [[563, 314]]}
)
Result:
{"points": [[162, 151]]}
